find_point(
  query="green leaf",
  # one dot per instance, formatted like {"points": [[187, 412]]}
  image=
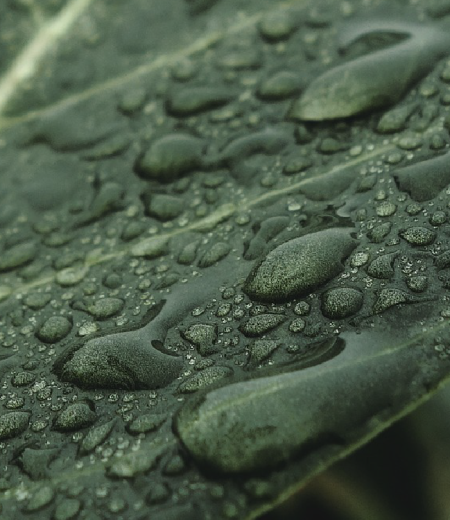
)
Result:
{"points": [[207, 296]]}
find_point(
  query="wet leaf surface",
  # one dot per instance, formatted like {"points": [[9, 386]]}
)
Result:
{"points": [[223, 247]]}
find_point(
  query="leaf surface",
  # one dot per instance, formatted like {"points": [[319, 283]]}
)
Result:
{"points": [[205, 301]]}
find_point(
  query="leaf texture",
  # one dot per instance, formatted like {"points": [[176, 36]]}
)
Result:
{"points": [[218, 276]]}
